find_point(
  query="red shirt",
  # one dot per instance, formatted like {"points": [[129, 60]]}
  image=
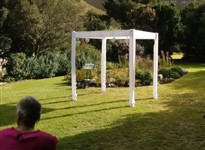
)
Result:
{"points": [[12, 139]]}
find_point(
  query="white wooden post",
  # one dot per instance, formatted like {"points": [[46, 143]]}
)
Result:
{"points": [[103, 65], [73, 67], [132, 53], [155, 76]]}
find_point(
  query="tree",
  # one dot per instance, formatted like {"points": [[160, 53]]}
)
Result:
{"points": [[149, 15], [193, 20], [168, 24], [118, 9], [38, 26], [5, 42]]}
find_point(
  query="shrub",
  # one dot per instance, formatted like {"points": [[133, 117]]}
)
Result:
{"points": [[144, 77], [175, 75], [145, 64], [87, 54], [178, 70], [168, 73], [47, 66], [30, 68], [165, 60], [64, 63], [19, 68], [14, 66], [80, 74], [120, 75]]}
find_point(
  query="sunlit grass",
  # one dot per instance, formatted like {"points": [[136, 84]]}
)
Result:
{"points": [[105, 121]]}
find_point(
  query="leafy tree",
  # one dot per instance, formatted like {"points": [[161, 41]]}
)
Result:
{"points": [[5, 42], [87, 54], [38, 26], [168, 24], [95, 22], [149, 15], [118, 9], [14, 65], [193, 20]]}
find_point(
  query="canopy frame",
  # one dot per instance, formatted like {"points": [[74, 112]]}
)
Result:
{"points": [[132, 35]]}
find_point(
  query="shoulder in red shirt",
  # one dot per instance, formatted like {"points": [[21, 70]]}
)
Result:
{"points": [[11, 139]]}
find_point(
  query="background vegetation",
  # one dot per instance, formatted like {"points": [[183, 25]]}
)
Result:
{"points": [[35, 35]]}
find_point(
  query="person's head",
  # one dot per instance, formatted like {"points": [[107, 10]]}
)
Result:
{"points": [[28, 111]]}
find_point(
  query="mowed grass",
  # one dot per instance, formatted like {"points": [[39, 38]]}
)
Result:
{"points": [[104, 121]]}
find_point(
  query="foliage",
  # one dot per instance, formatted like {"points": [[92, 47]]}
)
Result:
{"points": [[178, 70], [148, 15], [87, 54], [118, 9], [44, 66], [117, 51], [14, 66], [36, 27], [168, 25], [144, 77], [64, 62], [95, 22], [168, 73], [165, 60], [193, 40], [120, 76], [144, 64], [5, 42], [5, 45]]}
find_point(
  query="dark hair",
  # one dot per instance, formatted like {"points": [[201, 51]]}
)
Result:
{"points": [[29, 110]]}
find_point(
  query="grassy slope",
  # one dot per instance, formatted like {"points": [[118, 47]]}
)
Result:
{"points": [[104, 120], [98, 3], [94, 6]]}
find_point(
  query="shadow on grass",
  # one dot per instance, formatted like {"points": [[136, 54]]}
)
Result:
{"points": [[180, 126], [54, 98], [84, 112], [8, 114], [170, 130]]}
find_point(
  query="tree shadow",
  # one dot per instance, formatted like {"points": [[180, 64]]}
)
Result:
{"points": [[110, 107], [174, 129], [7, 114], [180, 126], [54, 98]]}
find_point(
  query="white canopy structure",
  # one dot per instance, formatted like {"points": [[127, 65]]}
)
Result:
{"points": [[131, 35]]}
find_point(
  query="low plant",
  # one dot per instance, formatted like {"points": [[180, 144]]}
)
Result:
{"points": [[168, 73], [178, 70], [121, 76], [144, 77], [144, 63], [165, 60]]}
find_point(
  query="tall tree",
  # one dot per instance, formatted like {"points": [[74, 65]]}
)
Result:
{"points": [[5, 42], [193, 18], [149, 15], [168, 24], [37, 26]]}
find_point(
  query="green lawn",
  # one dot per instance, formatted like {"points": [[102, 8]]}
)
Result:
{"points": [[103, 121]]}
